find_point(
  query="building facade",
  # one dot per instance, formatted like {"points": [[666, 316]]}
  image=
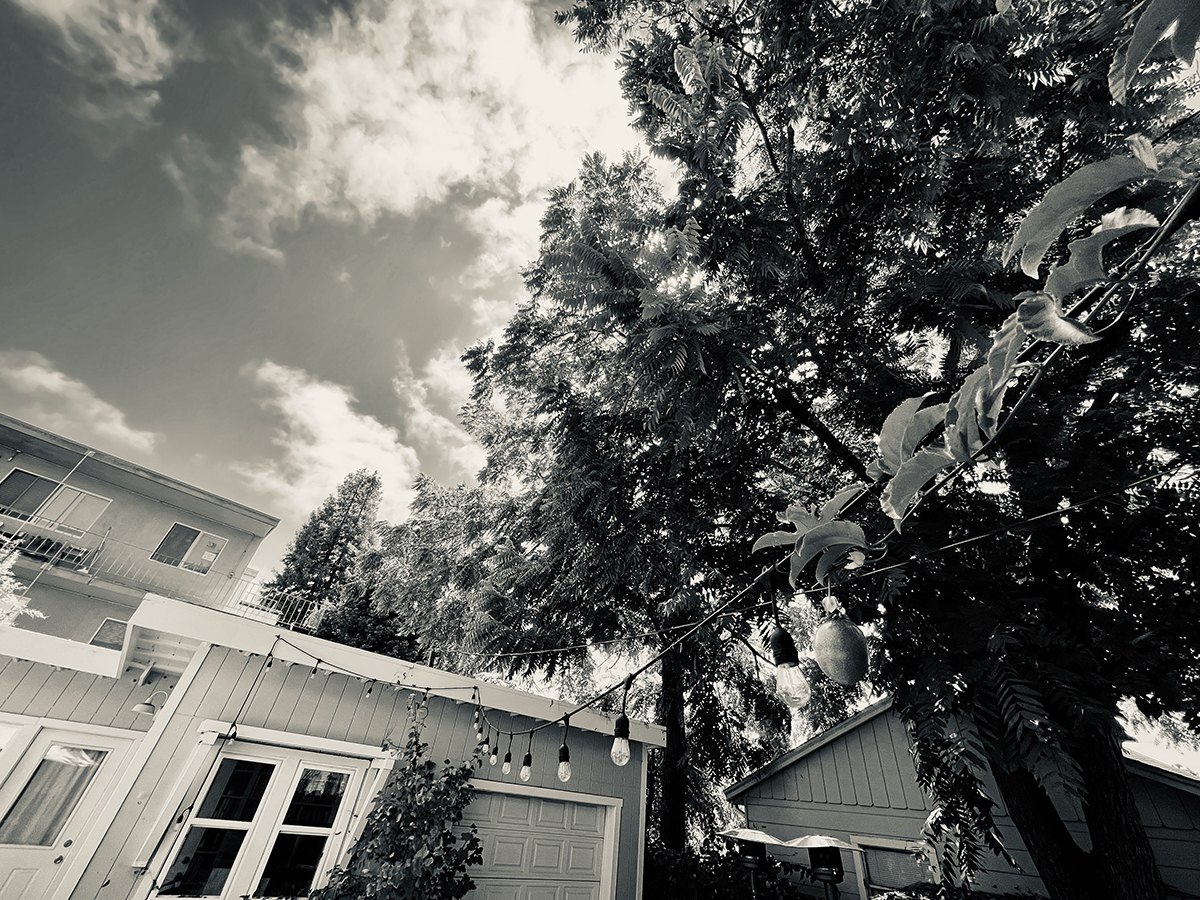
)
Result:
{"points": [[161, 735]]}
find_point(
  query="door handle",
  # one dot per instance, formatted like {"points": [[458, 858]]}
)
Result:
{"points": [[57, 860]]}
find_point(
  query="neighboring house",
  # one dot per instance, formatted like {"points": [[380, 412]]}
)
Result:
{"points": [[857, 782], [254, 752]]}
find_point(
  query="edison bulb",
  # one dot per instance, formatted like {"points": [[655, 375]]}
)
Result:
{"points": [[507, 767], [564, 770], [526, 767], [495, 756], [620, 751], [793, 688]]}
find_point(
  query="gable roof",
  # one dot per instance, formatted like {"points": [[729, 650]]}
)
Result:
{"points": [[1172, 776]]}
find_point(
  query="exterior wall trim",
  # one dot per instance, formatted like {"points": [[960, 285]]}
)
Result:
{"points": [[61, 652], [249, 734]]}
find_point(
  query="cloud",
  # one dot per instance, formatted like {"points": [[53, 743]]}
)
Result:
{"points": [[66, 405], [121, 50], [446, 383], [403, 105], [322, 439]]}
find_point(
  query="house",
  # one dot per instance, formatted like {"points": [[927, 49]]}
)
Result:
{"points": [[161, 735], [857, 782]]}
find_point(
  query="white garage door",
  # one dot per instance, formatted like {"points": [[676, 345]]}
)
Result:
{"points": [[535, 849]]}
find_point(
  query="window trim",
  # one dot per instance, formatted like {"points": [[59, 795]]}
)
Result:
{"points": [[865, 844], [262, 830], [199, 537], [41, 521]]}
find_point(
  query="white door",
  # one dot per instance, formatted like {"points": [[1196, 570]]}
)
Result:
{"points": [[47, 801], [269, 822], [537, 849]]}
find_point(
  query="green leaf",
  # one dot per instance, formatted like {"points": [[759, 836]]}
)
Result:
{"points": [[904, 429], [840, 499], [1158, 16], [1001, 363], [799, 516], [1086, 264], [1042, 317], [1065, 201], [902, 490], [822, 538], [963, 437], [776, 539]]}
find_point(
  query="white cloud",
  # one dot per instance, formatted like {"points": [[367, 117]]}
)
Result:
{"points": [[55, 401], [122, 49], [444, 382], [322, 439], [396, 108]]}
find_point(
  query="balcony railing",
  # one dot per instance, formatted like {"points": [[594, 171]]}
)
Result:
{"points": [[101, 558]]}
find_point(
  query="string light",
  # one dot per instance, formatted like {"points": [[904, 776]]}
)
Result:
{"points": [[313, 673], [527, 762], [487, 741], [270, 659], [370, 684], [564, 753], [507, 767], [620, 746], [791, 685]]}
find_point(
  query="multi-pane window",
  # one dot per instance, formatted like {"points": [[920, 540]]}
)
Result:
{"points": [[263, 827], [189, 548], [895, 868], [42, 501]]}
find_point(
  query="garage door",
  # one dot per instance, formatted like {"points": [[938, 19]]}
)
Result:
{"points": [[535, 849]]}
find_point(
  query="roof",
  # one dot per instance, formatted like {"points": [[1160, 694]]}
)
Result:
{"points": [[200, 623], [1173, 776], [799, 752], [60, 451]]}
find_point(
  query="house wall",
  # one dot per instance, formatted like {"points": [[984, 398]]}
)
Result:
{"points": [[230, 685], [863, 786]]}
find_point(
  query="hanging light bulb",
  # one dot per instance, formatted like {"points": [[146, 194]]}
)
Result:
{"points": [[508, 757], [313, 673], [620, 747], [487, 742], [564, 753], [270, 659], [495, 754], [790, 683], [527, 762], [370, 684]]}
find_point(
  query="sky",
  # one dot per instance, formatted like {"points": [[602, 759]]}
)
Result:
{"points": [[245, 244]]}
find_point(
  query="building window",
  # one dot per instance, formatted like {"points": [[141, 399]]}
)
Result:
{"points": [[265, 827], [50, 796], [896, 867], [189, 548], [42, 501]]}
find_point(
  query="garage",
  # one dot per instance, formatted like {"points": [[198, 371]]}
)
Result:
{"points": [[540, 848]]}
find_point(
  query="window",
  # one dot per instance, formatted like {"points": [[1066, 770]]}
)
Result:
{"points": [[265, 825], [890, 865], [50, 796], [189, 548], [30, 497]]}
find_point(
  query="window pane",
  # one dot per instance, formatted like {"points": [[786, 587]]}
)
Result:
{"points": [[175, 545], [203, 864], [204, 553], [83, 514], [894, 868], [292, 866], [51, 795], [316, 800], [236, 791], [60, 504], [22, 493]]}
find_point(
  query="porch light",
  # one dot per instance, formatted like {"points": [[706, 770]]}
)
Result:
{"points": [[790, 683], [146, 707]]}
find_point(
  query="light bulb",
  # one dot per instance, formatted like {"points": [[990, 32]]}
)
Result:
{"points": [[495, 755], [526, 767], [507, 767], [620, 747], [792, 686], [564, 763]]}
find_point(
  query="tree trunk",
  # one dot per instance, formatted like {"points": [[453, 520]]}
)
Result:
{"points": [[673, 774], [1120, 847], [1064, 867]]}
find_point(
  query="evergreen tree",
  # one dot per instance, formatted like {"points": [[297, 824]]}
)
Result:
{"points": [[321, 557]]}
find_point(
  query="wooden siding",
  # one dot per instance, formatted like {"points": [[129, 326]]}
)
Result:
{"points": [[35, 689], [863, 785], [231, 685]]}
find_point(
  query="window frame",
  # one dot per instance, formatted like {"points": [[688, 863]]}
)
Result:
{"points": [[201, 534], [863, 845], [262, 830], [37, 519]]}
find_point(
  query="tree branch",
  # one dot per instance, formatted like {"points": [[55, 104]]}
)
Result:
{"points": [[803, 414]]}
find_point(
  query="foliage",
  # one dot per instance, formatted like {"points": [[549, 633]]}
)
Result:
{"points": [[412, 846], [320, 558], [710, 872], [13, 602]]}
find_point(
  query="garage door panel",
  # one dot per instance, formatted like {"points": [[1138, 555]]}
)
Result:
{"points": [[537, 849]]}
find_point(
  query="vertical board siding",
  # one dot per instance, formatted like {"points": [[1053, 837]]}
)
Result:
{"points": [[41, 691]]}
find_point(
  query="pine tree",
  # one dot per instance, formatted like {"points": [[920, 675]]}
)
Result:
{"points": [[321, 557]]}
